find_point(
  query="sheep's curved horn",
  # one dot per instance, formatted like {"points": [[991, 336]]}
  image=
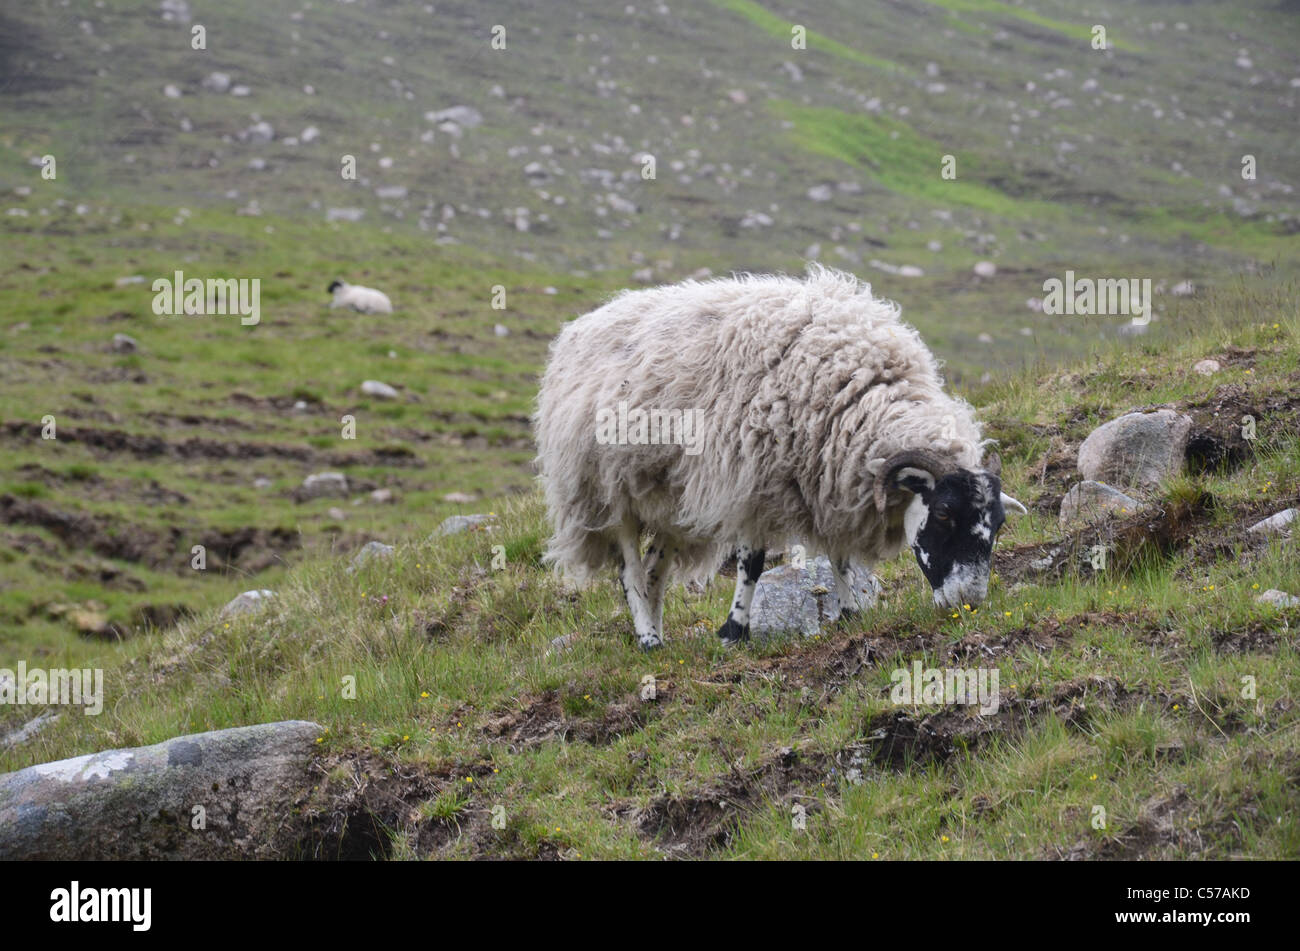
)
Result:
{"points": [[932, 463], [1014, 505]]}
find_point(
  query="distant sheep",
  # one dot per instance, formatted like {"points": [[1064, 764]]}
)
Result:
{"points": [[805, 410], [365, 299]]}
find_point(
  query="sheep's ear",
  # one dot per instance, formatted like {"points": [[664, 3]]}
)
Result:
{"points": [[994, 465], [1011, 505], [914, 479]]}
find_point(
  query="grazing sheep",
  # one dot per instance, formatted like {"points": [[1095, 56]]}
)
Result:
{"points": [[365, 299], [818, 416]]}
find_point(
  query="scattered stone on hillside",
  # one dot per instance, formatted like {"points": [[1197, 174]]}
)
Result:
{"points": [[1047, 562], [378, 390], [463, 117], [369, 551], [240, 91], [788, 599], [336, 513], [644, 275], [1183, 289], [172, 91], [563, 643], [1279, 523], [217, 82], [321, 484], [175, 11], [455, 524], [756, 219], [309, 135], [1207, 367], [738, 96], [259, 133], [29, 729], [249, 602], [985, 338], [910, 270], [1137, 449], [137, 803], [985, 269], [1091, 500], [821, 193], [382, 496], [501, 330], [123, 343], [391, 192], [129, 280], [262, 482], [344, 214], [1279, 599], [459, 498]]}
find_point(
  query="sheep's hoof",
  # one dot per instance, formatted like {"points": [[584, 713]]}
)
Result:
{"points": [[733, 633], [650, 642]]}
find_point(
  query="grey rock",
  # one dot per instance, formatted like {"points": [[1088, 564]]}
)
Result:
{"points": [[322, 484], [378, 390], [140, 803], [259, 133], [1279, 523], [1090, 500], [28, 729], [368, 552], [467, 117], [122, 343], [1279, 599], [217, 82], [788, 599], [344, 214], [1138, 449], [1207, 367], [249, 602], [455, 524]]}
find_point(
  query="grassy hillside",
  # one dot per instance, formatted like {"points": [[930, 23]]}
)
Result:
{"points": [[1121, 689]]}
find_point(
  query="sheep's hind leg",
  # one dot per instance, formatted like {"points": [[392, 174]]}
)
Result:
{"points": [[749, 565], [658, 566], [635, 590]]}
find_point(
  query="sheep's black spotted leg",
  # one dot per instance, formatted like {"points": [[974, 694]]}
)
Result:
{"points": [[657, 567], [749, 565]]}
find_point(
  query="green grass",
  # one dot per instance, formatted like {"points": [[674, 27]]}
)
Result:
{"points": [[1122, 694]]}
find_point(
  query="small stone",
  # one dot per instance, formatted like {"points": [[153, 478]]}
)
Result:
{"points": [[122, 343], [1207, 367], [455, 524], [321, 484], [369, 551], [249, 602], [378, 390], [1278, 524], [1091, 500], [1279, 599]]}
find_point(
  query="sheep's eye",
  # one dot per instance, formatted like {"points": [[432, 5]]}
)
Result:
{"points": [[941, 514]]}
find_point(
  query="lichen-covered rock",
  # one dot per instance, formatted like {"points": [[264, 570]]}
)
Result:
{"points": [[218, 795], [1136, 450], [1090, 500], [789, 599]]}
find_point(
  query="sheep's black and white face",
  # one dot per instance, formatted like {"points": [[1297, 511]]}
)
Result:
{"points": [[951, 524], [334, 285]]}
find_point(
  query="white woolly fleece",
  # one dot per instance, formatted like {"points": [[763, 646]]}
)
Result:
{"points": [[805, 387]]}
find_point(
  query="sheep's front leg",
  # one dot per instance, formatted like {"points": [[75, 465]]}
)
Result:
{"points": [[635, 589], [658, 566], [749, 565], [852, 599]]}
